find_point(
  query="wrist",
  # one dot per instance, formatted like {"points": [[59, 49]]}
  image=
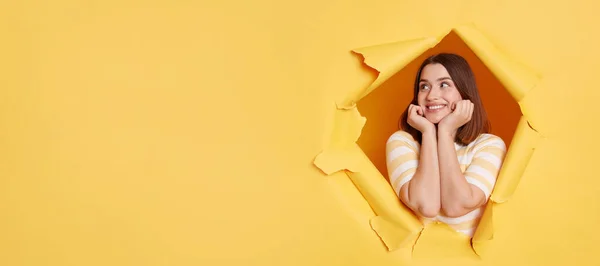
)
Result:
{"points": [[430, 130], [446, 132]]}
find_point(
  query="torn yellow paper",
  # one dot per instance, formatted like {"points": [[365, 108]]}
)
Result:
{"points": [[517, 158], [387, 60], [336, 159], [531, 107], [348, 125], [394, 223], [394, 235], [439, 242], [341, 152], [485, 231], [515, 77]]}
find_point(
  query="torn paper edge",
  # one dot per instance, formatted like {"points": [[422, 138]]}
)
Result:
{"points": [[378, 59], [341, 151], [517, 79]]}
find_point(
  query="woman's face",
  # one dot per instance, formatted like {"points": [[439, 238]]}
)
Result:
{"points": [[437, 92]]}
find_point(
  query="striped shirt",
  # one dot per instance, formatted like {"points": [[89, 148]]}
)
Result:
{"points": [[480, 162]]}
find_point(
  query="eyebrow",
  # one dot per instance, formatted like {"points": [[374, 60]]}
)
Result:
{"points": [[440, 79]]}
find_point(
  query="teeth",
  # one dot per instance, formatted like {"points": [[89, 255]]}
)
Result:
{"points": [[435, 107]]}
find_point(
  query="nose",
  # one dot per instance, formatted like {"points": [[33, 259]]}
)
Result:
{"points": [[434, 94]]}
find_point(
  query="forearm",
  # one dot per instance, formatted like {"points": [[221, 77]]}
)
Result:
{"points": [[457, 195], [423, 191]]}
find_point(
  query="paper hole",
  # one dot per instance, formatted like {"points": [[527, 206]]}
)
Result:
{"points": [[384, 105]]}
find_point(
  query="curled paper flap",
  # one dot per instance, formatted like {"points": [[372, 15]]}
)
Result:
{"points": [[517, 158], [387, 60], [393, 235], [336, 159], [515, 77], [532, 107], [485, 231], [397, 226], [341, 152]]}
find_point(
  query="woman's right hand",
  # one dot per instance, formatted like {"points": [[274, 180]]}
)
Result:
{"points": [[416, 118]]}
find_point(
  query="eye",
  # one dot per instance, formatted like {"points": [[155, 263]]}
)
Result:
{"points": [[424, 86], [444, 85]]}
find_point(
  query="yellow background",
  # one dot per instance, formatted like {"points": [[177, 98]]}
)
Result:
{"points": [[183, 133]]}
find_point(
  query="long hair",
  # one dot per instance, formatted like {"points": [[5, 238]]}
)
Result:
{"points": [[464, 79]]}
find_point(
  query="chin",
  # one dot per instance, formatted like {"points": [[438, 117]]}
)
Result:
{"points": [[436, 119]]}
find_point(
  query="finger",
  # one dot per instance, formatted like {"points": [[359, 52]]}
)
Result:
{"points": [[419, 110], [472, 111], [458, 106], [469, 108], [409, 117], [460, 109], [461, 105]]}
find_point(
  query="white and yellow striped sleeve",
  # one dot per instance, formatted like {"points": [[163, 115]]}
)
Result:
{"points": [[402, 153], [485, 166]]}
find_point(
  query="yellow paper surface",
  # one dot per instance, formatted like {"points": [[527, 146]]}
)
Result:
{"points": [[185, 132]]}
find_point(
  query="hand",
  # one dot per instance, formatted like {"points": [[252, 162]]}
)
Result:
{"points": [[416, 118], [461, 114]]}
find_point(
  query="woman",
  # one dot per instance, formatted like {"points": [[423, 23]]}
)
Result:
{"points": [[443, 164]]}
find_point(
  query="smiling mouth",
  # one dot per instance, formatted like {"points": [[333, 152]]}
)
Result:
{"points": [[435, 107]]}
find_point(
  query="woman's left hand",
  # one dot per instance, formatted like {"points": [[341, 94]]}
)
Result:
{"points": [[462, 113]]}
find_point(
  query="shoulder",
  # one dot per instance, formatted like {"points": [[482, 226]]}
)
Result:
{"points": [[487, 140], [401, 137]]}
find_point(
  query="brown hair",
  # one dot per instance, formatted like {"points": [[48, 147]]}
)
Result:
{"points": [[464, 79]]}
